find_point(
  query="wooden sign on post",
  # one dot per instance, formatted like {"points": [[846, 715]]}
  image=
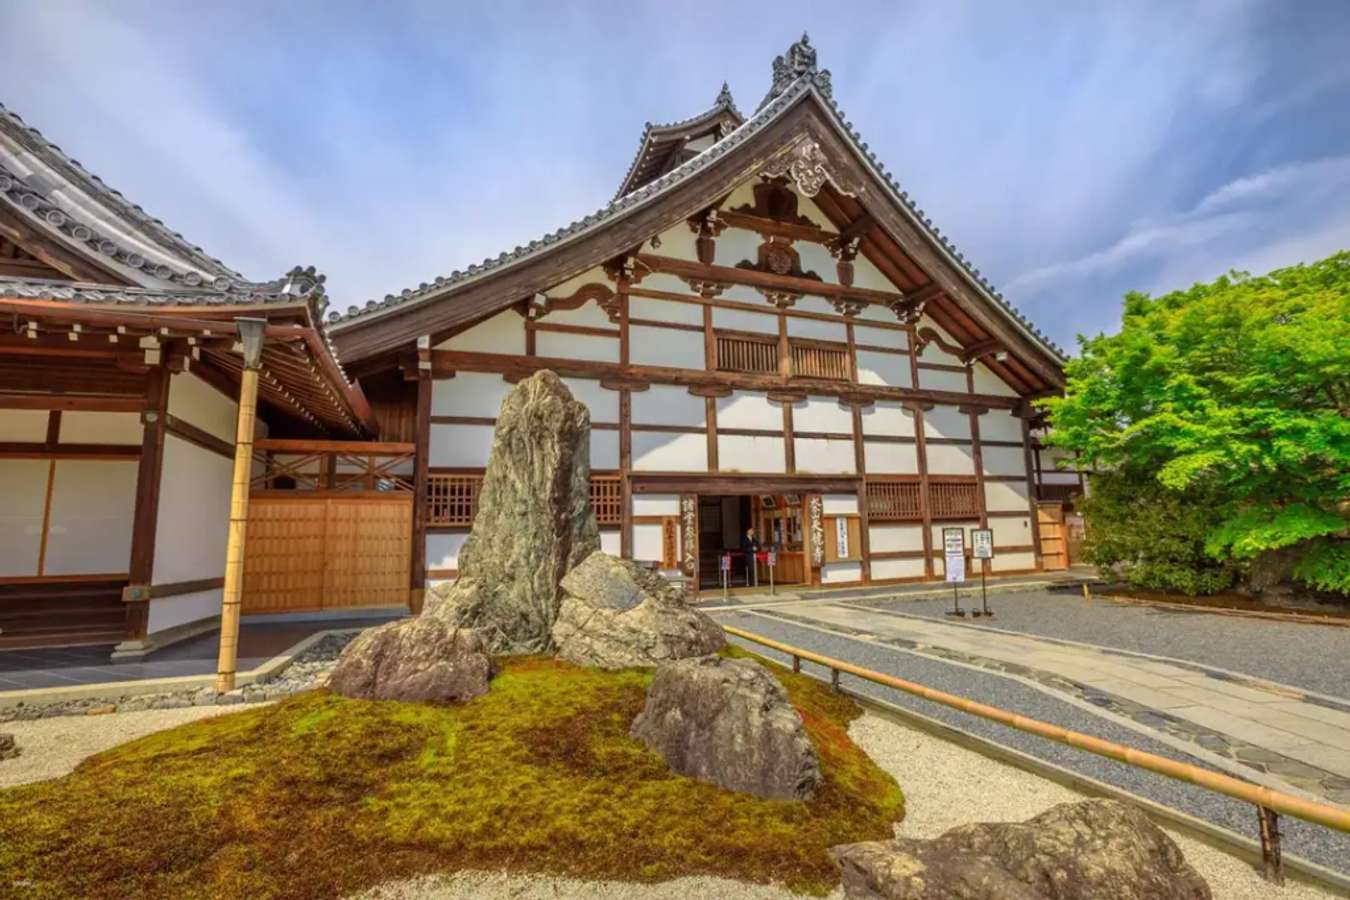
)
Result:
{"points": [[954, 553]]}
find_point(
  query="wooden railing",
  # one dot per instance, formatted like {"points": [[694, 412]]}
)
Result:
{"points": [[333, 466], [1269, 802], [452, 500]]}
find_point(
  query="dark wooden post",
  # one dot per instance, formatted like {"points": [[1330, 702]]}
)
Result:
{"points": [[1026, 412], [421, 462], [140, 570]]}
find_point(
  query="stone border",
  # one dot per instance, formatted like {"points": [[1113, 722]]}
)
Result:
{"points": [[817, 594], [171, 684]]}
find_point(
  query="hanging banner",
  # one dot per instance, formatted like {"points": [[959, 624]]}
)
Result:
{"points": [[954, 553]]}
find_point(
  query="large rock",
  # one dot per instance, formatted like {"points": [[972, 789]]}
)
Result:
{"points": [[728, 721], [8, 748], [534, 521], [413, 659], [616, 614], [1091, 850]]}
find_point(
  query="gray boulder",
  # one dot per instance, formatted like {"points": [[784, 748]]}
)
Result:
{"points": [[413, 659], [616, 614], [1090, 850], [729, 722], [534, 521], [8, 748]]}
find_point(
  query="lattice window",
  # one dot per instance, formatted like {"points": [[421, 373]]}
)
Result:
{"points": [[814, 359], [893, 501], [738, 352], [607, 499], [452, 500], [953, 500]]}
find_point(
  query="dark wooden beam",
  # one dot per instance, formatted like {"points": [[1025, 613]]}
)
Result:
{"points": [[145, 516]]}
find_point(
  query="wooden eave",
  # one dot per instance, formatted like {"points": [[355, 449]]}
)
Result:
{"points": [[899, 244], [662, 145]]}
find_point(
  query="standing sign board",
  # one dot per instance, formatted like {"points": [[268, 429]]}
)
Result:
{"points": [[954, 553], [982, 543]]}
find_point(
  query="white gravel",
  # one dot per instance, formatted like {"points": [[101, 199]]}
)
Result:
{"points": [[54, 747], [945, 785]]}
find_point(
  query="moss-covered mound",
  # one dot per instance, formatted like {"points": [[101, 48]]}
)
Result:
{"points": [[319, 796]]}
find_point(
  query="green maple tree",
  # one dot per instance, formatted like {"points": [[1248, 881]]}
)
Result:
{"points": [[1234, 395]]}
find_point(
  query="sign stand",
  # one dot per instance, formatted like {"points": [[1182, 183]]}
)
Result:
{"points": [[726, 576], [954, 564], [982, 541]]}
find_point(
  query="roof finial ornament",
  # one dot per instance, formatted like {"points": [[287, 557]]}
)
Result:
{"points": [[798, 62], [724, 96]]}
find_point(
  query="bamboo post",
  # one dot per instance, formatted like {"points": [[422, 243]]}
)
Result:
{"points": [[251, 335]]}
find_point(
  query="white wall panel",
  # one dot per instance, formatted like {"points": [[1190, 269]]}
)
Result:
{"points": [[866, 275], [946, 422], [656, 504], [587, 315], [89, 530], [883, 569], [443, 549], [476, 394], [737, 244], [836, 572], [736, 453], [886, 369], [942, 380], [83, 427], [604, 449], [932, 352], [502, 333], [815, 258], [577, 346], [595, 275], [744, 320], [664, 404], [603, 404], [888, 418], [665, 310], [460, 445], [193, 400], [822, 414], [945, 459], [23, 493], [986, 382], [1008, 562], [894, 538], [999, 425], [817, 329], [746, 409], [1003, 460], [665, 347], [1004, 496], [194, 513], [647, 542], [663, 452], [890, 459], [1011, 532], [824, 455], [168, 612], [880, 337], [839, 504], [679, 242], [23, 425]]}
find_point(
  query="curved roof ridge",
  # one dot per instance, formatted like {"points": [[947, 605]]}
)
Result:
{"points": [[724, 104]]}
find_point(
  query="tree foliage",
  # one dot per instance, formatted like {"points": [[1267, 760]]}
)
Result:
{"points": [[1236, 393]]}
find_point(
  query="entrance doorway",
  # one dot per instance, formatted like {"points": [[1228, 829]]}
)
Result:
{"points": [[777, 523]]}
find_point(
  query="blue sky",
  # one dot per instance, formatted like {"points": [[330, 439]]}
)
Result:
{"points": [[1073, 150]]}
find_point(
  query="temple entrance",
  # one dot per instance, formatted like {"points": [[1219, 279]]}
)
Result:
{"points": [[776, 520]]}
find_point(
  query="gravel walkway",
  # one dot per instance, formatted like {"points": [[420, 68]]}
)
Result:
{"points": [[1303, 655], [1321, 845]]}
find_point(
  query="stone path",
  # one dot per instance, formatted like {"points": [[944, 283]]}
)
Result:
{"points": [[1241, 723]]}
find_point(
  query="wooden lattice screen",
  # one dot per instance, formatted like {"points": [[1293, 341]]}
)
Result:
{"points": [[452, 500], [747, 353], [893, 501], [953, 500], [811, 359]]}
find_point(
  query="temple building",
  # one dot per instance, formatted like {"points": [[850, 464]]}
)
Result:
{"points": [[769, 334]]}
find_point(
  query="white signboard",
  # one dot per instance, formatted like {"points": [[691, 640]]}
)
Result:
{"points": [[954, 553], [841, 536], [982, 543]]}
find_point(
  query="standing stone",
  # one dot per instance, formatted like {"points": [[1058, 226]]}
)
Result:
{"points": [[1090, 850], [729, 721], [534, 521], [413, 659], [8, 748], [616, 614]]}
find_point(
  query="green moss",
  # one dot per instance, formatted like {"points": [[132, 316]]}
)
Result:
{"points": [[320, 796]]}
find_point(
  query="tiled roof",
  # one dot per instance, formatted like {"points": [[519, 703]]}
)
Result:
{"points": [[724, 105]]}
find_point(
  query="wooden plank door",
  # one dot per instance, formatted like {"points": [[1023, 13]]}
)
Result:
{"points": [[1054, 548], [284, 554], [368, 552]]}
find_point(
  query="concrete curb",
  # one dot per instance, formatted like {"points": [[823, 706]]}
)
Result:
{"points": [[113, 689], [1244, 848]]}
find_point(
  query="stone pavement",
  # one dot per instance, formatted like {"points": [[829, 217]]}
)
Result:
{"points": [[1237, 722]]}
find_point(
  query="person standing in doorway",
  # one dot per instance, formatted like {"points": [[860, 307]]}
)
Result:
{"points": [[749, 547]]}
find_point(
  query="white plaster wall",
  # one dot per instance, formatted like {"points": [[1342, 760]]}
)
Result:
{"points": [[1003, 496], [836, 572], [824, 455], [866, 275], [945, 459], [744, 320], [604, 449], [883, 569], [647, 542], [815, 258], [890, 459], [1007, 562], [603, 404], [679, 241], [822, 414], [932, 352], [23, 426], [986, 382], [999, 425], [887, 369], [1003, 460], [194, 513], [817, 329], [193, 400], [594, 275], [611, 541], [665, 310], [1011, 532], [461, 445], [887, 418], [839, 504], [443, 549], [894, 538], [502, 333], [649, 346], [82, 427], [736, 244], [663, 452], [743, 293], [589, 315], [942, 380], [946, 422], [656, 505], [23, 487], [476, 394], [881, 337], [577, 346], [737, 453], [89, 530], [168, 612], [747, 409], [663, 404]]}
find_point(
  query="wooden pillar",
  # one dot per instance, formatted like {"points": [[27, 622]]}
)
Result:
{"points": [[921, 449], [421, 460], [864, 523], [1026, 412], [789, 440], [625, 473], [140, 570], [710, 402], [251, 334]]}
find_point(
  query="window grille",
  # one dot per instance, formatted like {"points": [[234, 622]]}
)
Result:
{"points": [[452, 500], [953, 500], [607, 499], [747, 353], [812, 359], [893, 501]]}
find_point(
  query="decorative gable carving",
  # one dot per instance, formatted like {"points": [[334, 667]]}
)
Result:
{"points": [[775, 200], [777, 256], [808, 167]]}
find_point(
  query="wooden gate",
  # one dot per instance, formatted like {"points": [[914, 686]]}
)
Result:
{"points": [[1054, 547], [328, 552]]}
